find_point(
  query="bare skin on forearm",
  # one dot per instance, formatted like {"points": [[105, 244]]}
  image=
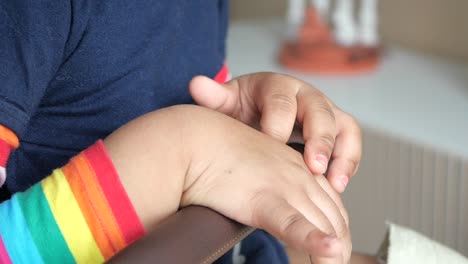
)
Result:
{"points": [[187, 155]]}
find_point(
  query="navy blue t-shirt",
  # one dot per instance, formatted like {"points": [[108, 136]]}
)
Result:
{"points": [[71, 72]]}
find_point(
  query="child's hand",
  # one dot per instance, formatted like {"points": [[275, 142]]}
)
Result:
{"points": [[190, 155], [261, 182], [276, 102]]}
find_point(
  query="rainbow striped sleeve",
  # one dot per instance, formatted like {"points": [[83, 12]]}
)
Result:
{"points": [[8, 142], [79, 214]]}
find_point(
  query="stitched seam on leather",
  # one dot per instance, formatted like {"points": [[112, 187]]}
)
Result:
{"points": [[227, 245]]}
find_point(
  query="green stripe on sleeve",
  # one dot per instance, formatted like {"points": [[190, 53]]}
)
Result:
{"points": [[43, 228]]}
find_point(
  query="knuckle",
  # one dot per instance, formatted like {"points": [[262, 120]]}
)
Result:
{"points": [[349, 118], [327, 140], [314, 91], [323, 107], [323, 142], [257, 200], [353, 163], [342, 229], [288, 223], [291, 82], [352, 123], [275, 76], [326, 225], [283, 102]]}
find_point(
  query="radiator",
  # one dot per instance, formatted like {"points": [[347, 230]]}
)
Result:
{"points": [[411, 184]]}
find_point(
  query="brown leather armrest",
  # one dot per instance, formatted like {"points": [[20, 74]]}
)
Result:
{"points": [[195, 234]]}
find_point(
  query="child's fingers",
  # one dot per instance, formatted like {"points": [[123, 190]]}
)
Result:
{"points": [[270, 100], [322, 181], [275, 97], [278, 217], [317, 118], [278, 115], [346, 237], [347, 153], [326, 205]]}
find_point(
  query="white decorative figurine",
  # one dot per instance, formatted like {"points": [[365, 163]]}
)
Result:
{"points": [[348, 31], [311, 46]]}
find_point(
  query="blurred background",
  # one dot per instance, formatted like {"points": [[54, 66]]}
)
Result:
{"points": [[413, 109]]}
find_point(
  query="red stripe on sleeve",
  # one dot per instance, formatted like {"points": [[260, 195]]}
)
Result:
{"points": [[117, 197], [5, 150]]}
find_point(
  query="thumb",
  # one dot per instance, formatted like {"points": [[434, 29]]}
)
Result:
{"points": [[208, 93]]}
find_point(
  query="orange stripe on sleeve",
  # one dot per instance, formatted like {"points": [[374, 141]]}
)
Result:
{"points": [[99, 201], [95, 223], [9, 137], [124, 212]]}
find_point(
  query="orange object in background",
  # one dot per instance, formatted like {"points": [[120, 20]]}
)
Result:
{"points": [[315, 51]]}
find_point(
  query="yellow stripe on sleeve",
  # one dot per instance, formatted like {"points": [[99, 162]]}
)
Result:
{"points": [[70, 220]]}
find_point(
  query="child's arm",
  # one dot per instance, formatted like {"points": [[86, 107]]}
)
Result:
{"points": [[170, 158], [276, 102], [234, 170]]}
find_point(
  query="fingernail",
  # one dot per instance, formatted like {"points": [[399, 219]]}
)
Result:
{"points": [[322, 161], [344, 179]]}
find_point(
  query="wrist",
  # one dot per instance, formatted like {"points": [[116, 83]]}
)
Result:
{"points": [[151, 163], [210, 136]]}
